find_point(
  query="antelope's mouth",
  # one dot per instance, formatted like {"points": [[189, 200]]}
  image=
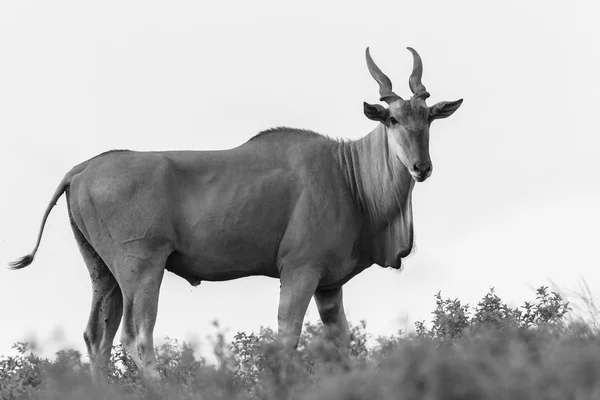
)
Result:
{"points": [[419, 178]]}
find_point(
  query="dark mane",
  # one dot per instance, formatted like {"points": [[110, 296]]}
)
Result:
{"points": [[284, 130]]}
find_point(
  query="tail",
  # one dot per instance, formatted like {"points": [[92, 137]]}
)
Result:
{"points": [[62, 187]]}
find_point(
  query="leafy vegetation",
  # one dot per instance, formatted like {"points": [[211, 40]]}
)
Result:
{"points": [[490, 351]]}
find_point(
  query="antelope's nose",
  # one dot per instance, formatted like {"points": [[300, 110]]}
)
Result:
{"points": [[422, 169]]}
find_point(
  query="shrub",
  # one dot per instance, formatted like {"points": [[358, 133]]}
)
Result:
{"points": [[452, 319], [491, 351]]}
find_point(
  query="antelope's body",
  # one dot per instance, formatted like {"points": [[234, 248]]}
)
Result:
{"points": [[289, 204]]}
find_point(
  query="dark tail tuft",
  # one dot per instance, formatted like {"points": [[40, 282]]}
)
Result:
{"points": [[22, 262]]}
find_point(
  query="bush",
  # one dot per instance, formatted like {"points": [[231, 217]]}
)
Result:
{"points": [[491, 351], [452, 319]]}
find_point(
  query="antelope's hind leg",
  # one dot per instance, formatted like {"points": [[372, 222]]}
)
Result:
{"points": [[105, 313], [139, 273]]}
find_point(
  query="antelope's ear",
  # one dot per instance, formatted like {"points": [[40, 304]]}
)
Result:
{"points": [[376, 112], [443, 109]]}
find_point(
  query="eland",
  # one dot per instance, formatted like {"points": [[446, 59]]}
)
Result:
{"points": [[289, 204]]}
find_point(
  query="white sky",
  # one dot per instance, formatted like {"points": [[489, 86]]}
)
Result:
{"points": [[512, 202]]}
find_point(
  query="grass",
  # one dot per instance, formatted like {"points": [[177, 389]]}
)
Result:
{"points": [[489, 351]]}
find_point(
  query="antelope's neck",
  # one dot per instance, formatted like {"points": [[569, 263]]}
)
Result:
{"points": [[380, 184]]}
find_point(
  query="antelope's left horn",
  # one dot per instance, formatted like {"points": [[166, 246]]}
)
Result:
{"points": [[416, 86]]}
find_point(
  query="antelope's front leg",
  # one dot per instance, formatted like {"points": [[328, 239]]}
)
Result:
{"points": [[331, 309], [297, 288]]}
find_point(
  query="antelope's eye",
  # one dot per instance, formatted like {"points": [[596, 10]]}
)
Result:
{"points": [[393, 121]]}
